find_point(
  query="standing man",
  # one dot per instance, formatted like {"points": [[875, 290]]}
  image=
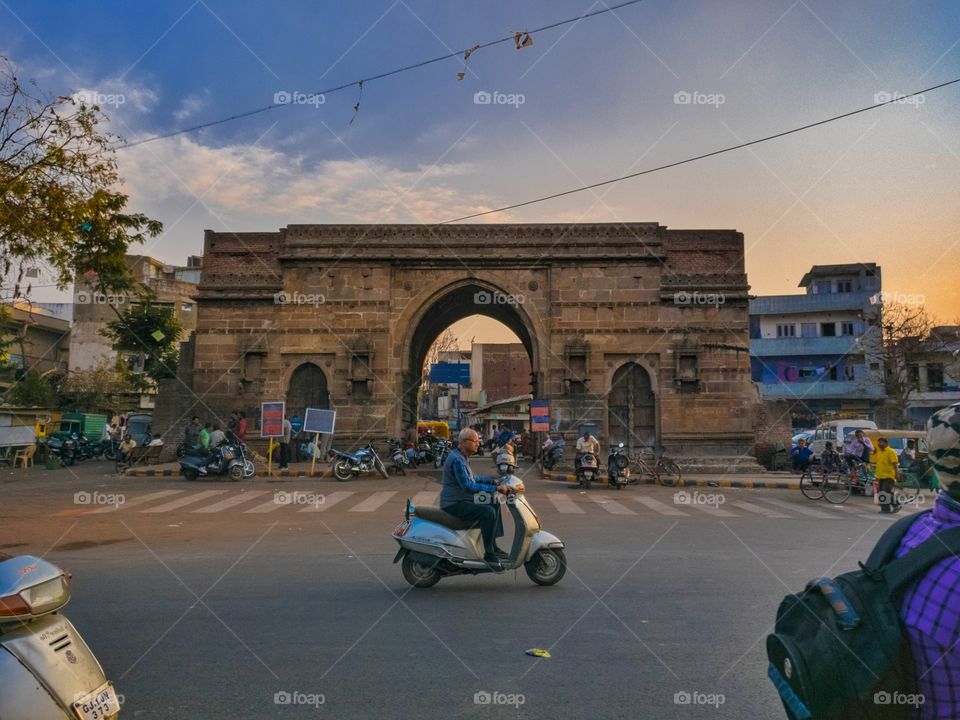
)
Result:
{"points": [[285, 444], [473, 498], [886, 474], [191, 434]]}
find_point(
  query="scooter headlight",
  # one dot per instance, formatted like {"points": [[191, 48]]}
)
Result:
{"points": [[40, 599], [504, 467]]}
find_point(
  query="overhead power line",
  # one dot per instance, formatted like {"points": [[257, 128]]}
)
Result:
{"points": [[380, 76], [731, 148]]}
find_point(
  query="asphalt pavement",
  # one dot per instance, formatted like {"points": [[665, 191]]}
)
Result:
{"points": [[279, 598]]}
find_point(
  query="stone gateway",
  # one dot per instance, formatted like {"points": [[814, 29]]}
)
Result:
{"points": [[634, 329]]}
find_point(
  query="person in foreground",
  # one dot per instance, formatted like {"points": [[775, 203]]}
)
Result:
{"points": [[473, 498], [930, 609]]}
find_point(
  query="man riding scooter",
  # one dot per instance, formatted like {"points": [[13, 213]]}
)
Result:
{"points": [[471, 498]]}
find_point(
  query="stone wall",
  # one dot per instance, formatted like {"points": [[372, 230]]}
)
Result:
{"points": [[362, 303]]}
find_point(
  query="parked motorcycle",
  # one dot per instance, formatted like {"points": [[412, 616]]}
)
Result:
{"points": [[552, 453], [347, 466], [47, 672], [229, 459], [400, 460], [618, 468], [424, 451], [435, 544], [440, 451], [588, 470]]}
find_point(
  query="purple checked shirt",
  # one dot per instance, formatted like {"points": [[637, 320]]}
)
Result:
{"points": [[931, 613]]}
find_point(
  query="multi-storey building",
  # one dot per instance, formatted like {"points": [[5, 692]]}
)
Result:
{"points": [[821, 350]]}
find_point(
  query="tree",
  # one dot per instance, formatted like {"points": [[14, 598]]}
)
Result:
{"points": [[151, 332], [446, 342], [905, 337], [59, 205], [101, 389], [34, 390]]}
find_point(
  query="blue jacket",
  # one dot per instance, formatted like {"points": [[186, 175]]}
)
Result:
{"points": [[459, 484]]}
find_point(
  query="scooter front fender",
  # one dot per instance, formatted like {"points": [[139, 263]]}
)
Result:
{"points": [[541, 540], [45, 667]]}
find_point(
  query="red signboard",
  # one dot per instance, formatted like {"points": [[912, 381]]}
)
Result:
{"points": [[539, 416], [271, 419]]}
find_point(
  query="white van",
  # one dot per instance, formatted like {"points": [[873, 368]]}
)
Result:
{"points": [[835, 431]]}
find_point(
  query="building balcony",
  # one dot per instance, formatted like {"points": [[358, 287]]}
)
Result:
{"points": [[934, 398], [794, 347], [790, 304], [820, 390]]}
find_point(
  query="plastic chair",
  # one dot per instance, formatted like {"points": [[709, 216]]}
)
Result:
{"points": [[25, 456]]}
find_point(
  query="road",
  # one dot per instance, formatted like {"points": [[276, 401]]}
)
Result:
{"points": [[222, 600]]}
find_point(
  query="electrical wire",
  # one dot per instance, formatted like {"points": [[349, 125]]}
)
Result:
{"points": [[380, 76], [731, 148]]}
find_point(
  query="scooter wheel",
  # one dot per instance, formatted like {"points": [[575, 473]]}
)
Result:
{"points": [[547, 567], [236, 472], [418, 574], [190, 475]]}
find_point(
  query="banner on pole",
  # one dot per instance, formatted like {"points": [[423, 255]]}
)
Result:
{"points": [[271, 419], [539, 416], [319, 421]]}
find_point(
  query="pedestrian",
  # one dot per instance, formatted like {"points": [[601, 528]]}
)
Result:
{"points": [[191, 434], [285, 444], [929, 607], [887, 464], [217, 435], [234, 422], [242, 426], [800, 456]]}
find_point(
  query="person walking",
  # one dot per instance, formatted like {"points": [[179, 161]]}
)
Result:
{"points": [[285, 444], [887, 463]]}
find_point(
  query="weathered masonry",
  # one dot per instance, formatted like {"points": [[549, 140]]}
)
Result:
{"points": [[632, 328]]}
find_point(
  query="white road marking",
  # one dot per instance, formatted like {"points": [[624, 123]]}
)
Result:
{"points": [[659, 507], [231, 501], [798, 508], [426, 497], [751, 507], [373, 502], [184, 501], [612, 506], [565, 504], [329, 500], [140, 500]]}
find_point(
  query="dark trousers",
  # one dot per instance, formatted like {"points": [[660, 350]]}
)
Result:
{"points": [[886, 494], [485, 516], [800, 463], [284, 455]]}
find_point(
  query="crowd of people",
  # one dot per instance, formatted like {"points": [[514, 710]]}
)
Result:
{"points": [[204, 438]]}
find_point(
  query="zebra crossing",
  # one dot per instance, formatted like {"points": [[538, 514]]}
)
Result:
{"points": [[723, 506]]}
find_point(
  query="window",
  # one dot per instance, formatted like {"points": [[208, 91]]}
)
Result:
{"points": [[844, 286], [935, 378], [846, 328], [187, 307], [849, 374], [828, 329], [808, 330], [360, 389], [824, 287], [833, 374], [786, 331]]}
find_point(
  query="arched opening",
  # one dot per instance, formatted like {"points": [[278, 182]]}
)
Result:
{"points": [[632, 408], [308, 388], [461, 302]]}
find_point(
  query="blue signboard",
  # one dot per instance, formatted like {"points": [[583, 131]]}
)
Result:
{"points": [[319, 421], [450, 373]]}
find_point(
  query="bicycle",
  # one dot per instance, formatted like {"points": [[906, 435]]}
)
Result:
{"points": [[834, 486], [662, 469]]}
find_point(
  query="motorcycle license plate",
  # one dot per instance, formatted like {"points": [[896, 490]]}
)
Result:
{"points": [[101, 703]]}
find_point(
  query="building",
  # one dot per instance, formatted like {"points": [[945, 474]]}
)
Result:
{"points": [[513, 413], [821, 350], [38, 340], [174, 286], [497, 371], [632, 328], [935, 375]]}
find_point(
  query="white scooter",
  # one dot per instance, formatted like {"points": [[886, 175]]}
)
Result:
{"points": [[435, 544], [47, 672]]}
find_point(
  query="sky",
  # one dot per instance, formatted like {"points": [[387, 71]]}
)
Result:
{"points": [[586, 102]]}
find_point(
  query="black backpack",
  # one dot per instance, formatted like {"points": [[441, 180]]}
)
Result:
{"points": [[839, 650]]}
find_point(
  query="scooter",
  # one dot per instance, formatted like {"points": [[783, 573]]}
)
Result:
{"points": [[229, 459], [424, 451], [435, 544], [347, 466], [47, 672], [618, 468], [588, 470], [552, 453]]}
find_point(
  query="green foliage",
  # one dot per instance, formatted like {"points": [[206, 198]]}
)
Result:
{"points": [[58, 180], [151, 331], [33, 390], [102, 389]]}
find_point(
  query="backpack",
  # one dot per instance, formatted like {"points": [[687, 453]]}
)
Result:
{"points": [[839, 650]]}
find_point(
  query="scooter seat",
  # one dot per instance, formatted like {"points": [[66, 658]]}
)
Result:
{"points": [[442, 517]]}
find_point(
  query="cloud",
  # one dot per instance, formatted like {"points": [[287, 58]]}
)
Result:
{"points": [[253, 183], [190, 105]]}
